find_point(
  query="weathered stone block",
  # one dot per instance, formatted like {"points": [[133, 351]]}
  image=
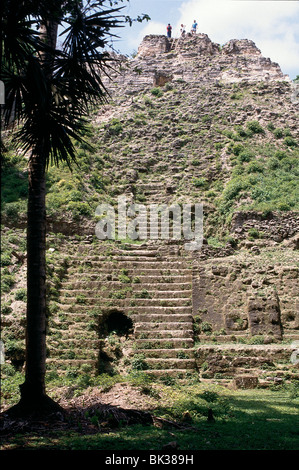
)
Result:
{"points": [[219, 270], [241, 46], [264, 316], [153, 45], [234, 322], [246, 381]]}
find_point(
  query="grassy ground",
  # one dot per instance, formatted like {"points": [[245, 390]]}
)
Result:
{"points": [[242, 419]]}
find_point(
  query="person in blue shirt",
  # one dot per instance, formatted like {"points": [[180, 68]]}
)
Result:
{"points": [[194, 27]]}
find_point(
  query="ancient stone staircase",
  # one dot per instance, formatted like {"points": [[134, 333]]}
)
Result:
{"points": [[151, 287], [121, 303]]}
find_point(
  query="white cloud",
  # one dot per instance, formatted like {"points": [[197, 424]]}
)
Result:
{"points": [[272, 25], [282, 51], [224, 18], [153, 27]]}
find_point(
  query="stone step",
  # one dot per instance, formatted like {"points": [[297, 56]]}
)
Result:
{"points": [[148, 252], [76, 327], [71, 317], [131, 247], [120, 263], [152, 326], [66, 302], [80, 287], [259, 370], [112, 273], [162, 317], [70, 354], [279, 347], [175, 373], [230, 337], [291, 336], [73, 328], [138, 309], [154, 184], [144, 275], [100, 254], [163, 334], [170, 363], [267, 352], [85, 295], [77, 343], [99, 248], [64, 363], [186, 353], [152, 257], [129, 267], [168, 343]]}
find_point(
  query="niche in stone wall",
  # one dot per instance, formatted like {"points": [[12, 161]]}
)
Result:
{"points": [[161, 78], [115, 330]]}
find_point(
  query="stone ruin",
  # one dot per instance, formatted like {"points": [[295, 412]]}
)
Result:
{"points": [[217, 296], [234, 61]]}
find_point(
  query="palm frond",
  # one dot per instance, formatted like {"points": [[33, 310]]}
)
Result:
{"points": [[19, 37], [51, 91], [52, 138]]}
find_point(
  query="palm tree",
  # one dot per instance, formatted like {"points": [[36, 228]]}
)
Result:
{"points": [[49, 91]]}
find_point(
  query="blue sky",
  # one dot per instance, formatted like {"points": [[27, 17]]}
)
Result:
{"points": [[272, 25]]}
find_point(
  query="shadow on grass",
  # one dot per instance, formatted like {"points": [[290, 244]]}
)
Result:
{"points": [[240, 423]]}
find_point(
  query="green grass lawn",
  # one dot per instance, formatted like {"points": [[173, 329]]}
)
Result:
{"points": [[243, 420], [265, 421]]}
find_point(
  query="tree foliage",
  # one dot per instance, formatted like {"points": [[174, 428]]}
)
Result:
{"points": [[50, 89]]}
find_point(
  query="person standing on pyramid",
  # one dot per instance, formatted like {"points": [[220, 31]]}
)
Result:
{"points": [[169, 29], [194, 27]]}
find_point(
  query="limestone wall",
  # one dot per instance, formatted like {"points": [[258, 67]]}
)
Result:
{"points": [[153, 45], [197, 56], [248, 294]]}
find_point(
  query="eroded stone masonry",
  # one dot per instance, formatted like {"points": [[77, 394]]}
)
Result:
{"points": [[194, 58], [227, 312]]}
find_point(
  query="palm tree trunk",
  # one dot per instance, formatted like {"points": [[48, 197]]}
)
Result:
{"points": [[34, 399], [34, 386]]}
